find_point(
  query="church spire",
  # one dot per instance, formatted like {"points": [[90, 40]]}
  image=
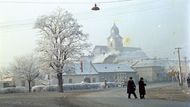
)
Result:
{"points": [[114, 30], [115, 40]]}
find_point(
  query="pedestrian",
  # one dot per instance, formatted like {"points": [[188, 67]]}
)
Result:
{"points": [[105, 83], [142, 90], [131, 87], [188, 82]]}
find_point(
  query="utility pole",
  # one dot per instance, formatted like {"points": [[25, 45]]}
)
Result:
{"points": [[186, 66], [180, 72]]}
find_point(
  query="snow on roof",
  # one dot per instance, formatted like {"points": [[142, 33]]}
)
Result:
{"points": [[101, 46], [130, 49], [102, 57], [89, 68], [148, 63], [99, 58], [86, 69], [113, 68], [132, 53]]}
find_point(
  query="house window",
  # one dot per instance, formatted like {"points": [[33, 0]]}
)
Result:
{"points": [[70, 80], [5, 85], [158, 74], [94, 80], [87, 79], [33, 83], [23, 83]]}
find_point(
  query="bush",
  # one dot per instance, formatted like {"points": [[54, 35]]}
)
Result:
{"points": [[38, 88], [50, 88], [13, 90], [112, 84], [75, 86]]}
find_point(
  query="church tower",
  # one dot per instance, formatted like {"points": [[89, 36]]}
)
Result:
{"points": [[115, 40]]}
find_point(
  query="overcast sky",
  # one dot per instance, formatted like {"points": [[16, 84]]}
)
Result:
{"points": [[156, 26]]}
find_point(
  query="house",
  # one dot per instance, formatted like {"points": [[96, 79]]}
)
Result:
{"points": [[89, 72], [152, 70]]}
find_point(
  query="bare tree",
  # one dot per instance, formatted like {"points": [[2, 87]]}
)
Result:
{"points": [[62, 41], [26, 67]]}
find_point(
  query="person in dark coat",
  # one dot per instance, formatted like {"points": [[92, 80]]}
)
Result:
{"points": [[142, 90], [105, 83], [188, 82], [131, 87]]}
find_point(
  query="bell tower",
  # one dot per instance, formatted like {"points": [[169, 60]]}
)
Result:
{"points": [[115, 40]]}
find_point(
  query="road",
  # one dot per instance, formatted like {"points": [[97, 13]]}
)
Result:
{"points": [[118, 98]]}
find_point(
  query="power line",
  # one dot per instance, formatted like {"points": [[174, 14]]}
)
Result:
{"points": [[4, 25], [116, 1], [61, 2], [87, 18]]}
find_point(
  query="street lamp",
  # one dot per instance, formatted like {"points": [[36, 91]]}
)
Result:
{"points": [[95, 8]]}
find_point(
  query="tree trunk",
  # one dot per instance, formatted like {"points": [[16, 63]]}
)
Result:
{"points": [[60, 82], [29, 86]]}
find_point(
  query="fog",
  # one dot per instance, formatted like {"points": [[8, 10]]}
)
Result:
{"points": [[155, 26]]}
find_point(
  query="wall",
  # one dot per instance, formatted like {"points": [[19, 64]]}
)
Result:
{"points": [[151, 73], [116, 76], [145, 72], [80, 78]]}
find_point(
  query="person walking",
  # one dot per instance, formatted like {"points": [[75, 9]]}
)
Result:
{"points": [[188, 82], [105, 84], [131, 87], [142, 90]]}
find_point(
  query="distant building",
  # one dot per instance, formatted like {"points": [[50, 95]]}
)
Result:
{"points": [[151, 70], [114, 62], [86, 71], [115, 52]]}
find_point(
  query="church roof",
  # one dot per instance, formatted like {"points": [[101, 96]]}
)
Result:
{"points": [[132, 53], [130, 49], [123, 55], [101, 46]]}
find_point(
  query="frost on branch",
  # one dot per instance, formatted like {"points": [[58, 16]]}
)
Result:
{"points": [[62, 41], [26, 67]]}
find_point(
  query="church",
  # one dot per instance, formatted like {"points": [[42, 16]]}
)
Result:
{"points": [[115, 62], [115, 52]]}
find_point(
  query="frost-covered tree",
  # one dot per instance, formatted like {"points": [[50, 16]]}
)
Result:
{"points": [[5, 71], [26, 67], [62, 41]]}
